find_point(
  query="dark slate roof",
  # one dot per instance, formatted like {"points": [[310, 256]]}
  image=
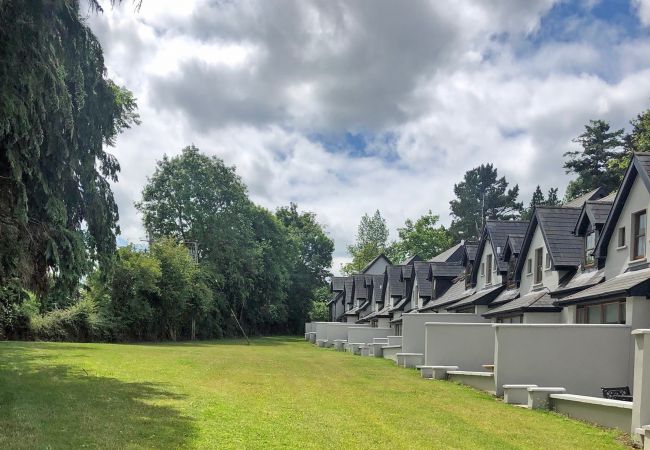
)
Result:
{"points": [[422, 271], [447, 270], [455, 293], [580, 280], [407, 271], [397, 287], [349, 289], [533, 301], [505, 296], [455, 253], [629, 283], [594, 212], [335, 297], [470, 250], [360, 289], [592, 195], [498, 231], [411, 260], [482, 297], [640, 165], [337, 284], [557, 226], [378, 288], [514, 241]]}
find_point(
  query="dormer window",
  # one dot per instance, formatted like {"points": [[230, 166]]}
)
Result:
{"points": [[638, 235], [547, 261], [482, 269], [590, 246]]}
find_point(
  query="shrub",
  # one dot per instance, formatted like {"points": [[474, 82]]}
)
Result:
{"points": [[78, 322]]}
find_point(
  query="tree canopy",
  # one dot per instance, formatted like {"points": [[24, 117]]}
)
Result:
{"points": [[371, 240], [423, 238], [482, 195], [593, 164], [58, 112]]}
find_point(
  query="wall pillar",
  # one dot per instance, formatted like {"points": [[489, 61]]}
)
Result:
{"points": [[641, 389]]}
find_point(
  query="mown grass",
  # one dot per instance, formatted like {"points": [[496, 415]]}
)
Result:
{"points": [[276, 393]]}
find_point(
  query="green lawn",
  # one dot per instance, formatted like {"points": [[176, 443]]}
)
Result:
{"points": [[276, 393]]}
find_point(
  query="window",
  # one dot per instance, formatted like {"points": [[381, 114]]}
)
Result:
{"points": [[547, 261], [511, 319], [373, 323], [529, 266], [466, 309], [539, 252], [482, 269], [489, 269], [590, 245], [621, 237], [602, 313], [638, 235], [398, 329]]}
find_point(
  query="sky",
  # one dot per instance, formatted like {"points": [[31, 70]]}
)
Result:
{"points": [[345, 107]]}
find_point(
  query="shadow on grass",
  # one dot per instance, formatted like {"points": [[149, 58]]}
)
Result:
{"points": [[45, 405]]}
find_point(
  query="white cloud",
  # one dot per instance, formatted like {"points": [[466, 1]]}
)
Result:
{"points": [[454, 84], [643, 10]]}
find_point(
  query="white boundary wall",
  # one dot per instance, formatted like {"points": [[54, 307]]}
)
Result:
{"points": [[466, 345], [340, 330], [579, 358], [413, 329], [321, 329], [365, 335]]}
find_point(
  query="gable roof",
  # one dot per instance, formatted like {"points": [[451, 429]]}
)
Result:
{"points": [[513, 246], [594, 212], [497, 231], [377, 287], [639, 165], [556, 224], [377, 258], [455, 253], [577, 202]]}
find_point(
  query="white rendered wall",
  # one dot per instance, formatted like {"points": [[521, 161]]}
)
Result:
{"points": [[619, 258], [580, 358], [466, 345], [550, 278], [413, 329], [481, 280], [365, 335], [339, 330]]}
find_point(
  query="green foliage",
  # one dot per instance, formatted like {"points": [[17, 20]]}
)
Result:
{"points": [[319, 310], [538, 199], [482, 195], [637, 140], [79, 322], [372, 239], [598, 163], [311, 258], [58, 111], [423, 238]]}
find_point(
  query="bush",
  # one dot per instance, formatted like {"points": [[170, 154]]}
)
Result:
{"points": [[78, 322]]}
